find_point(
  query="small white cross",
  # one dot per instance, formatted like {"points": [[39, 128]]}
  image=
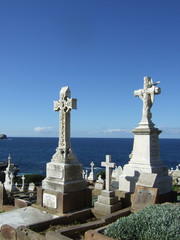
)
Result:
{"points": [[108, 165]]}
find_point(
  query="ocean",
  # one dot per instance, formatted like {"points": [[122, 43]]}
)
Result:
{"points": [[32, 154]]}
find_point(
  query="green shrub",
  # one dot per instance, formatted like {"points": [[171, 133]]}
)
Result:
{"points": [[156, 222], [102, 173], [35, 178]]}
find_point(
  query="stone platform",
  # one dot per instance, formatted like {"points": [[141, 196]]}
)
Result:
{"points": [[24, 217]]}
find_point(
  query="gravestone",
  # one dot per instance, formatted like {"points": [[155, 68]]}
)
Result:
{"points": [[107, 202], [145, 157], [143, 197], [99, 186], [32, 187], [115, 177], [92, 176], [64, 188], [9, 177]]}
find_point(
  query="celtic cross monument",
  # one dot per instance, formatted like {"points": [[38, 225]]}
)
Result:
{"points": [[145, 157], [64, 179]]}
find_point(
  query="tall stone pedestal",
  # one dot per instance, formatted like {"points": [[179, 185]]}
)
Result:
{"points": [[145, 158], [64, 189]]}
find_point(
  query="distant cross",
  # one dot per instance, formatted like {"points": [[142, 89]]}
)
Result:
{"points": [[92, 167], [64, 106], [147, 95], [108, 165], [22, 187]]}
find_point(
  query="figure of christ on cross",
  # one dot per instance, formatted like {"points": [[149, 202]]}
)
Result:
{"points": [[108, 165], [64, 106], [147, 95]]}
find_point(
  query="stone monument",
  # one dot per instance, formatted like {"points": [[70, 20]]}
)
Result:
{"points": [[107, 202], [145, 157], [92, 176], [64, 188], [9, 176]]}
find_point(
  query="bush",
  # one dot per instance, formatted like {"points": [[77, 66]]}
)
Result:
{"points": [[35, 178], [102, 173], [156, 222]]}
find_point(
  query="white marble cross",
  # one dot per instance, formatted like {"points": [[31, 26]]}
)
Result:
{"points": [[92, 167], [147, 95], [64, 106], [108, 165]]}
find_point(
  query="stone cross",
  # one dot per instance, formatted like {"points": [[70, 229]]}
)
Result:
{"points": [[64, 106], [108, 165], [22, 188], [92, 167], [147, 95]]}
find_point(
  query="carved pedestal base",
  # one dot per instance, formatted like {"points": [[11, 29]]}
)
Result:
{"points": [[60, 203], [145, 159]]}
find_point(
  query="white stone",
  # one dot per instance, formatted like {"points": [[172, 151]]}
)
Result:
{"points": [[31, 187], [9, 182], [49, 200], [99, 185], [92, 176], [108, 166], [115, 177], [145, 157], [64, 173]]}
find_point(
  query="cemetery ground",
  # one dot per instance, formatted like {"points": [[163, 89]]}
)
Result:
{"points": [[83, 224]]}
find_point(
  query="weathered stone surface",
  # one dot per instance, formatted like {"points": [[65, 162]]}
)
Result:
{"points": [[24, 216], [24, 233], [8, 232], [64, 176], [145, 157], [144, 196]]}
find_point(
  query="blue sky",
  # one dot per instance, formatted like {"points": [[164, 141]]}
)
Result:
{"points": [[101, 49]]}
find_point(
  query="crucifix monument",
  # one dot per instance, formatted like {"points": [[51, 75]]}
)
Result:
{"points": [[145, 157], [9, 177], [64, 181], [107, 201]]}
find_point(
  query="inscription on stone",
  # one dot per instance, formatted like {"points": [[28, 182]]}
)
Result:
{"points": [[49, 200]]}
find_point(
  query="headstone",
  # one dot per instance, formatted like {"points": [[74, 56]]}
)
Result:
{"points": [[64, 178], [9, 183], [32, 187], [145, 157], [92, 176], [99, 186], [144, 196], [107, 202], [175, 174], [115, 177]]}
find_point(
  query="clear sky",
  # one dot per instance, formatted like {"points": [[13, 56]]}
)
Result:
{"points": [[101, 49]]}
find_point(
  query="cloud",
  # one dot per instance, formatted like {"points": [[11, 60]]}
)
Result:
{"points": [[119, 130], [43, 129], [170, 130]]}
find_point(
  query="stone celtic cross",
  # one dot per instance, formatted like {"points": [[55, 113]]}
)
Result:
{"points": [[147, 95], [108, 165], [64, 106]]}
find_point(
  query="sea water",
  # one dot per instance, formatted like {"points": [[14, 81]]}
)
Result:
{"points": [[32, 154]]}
